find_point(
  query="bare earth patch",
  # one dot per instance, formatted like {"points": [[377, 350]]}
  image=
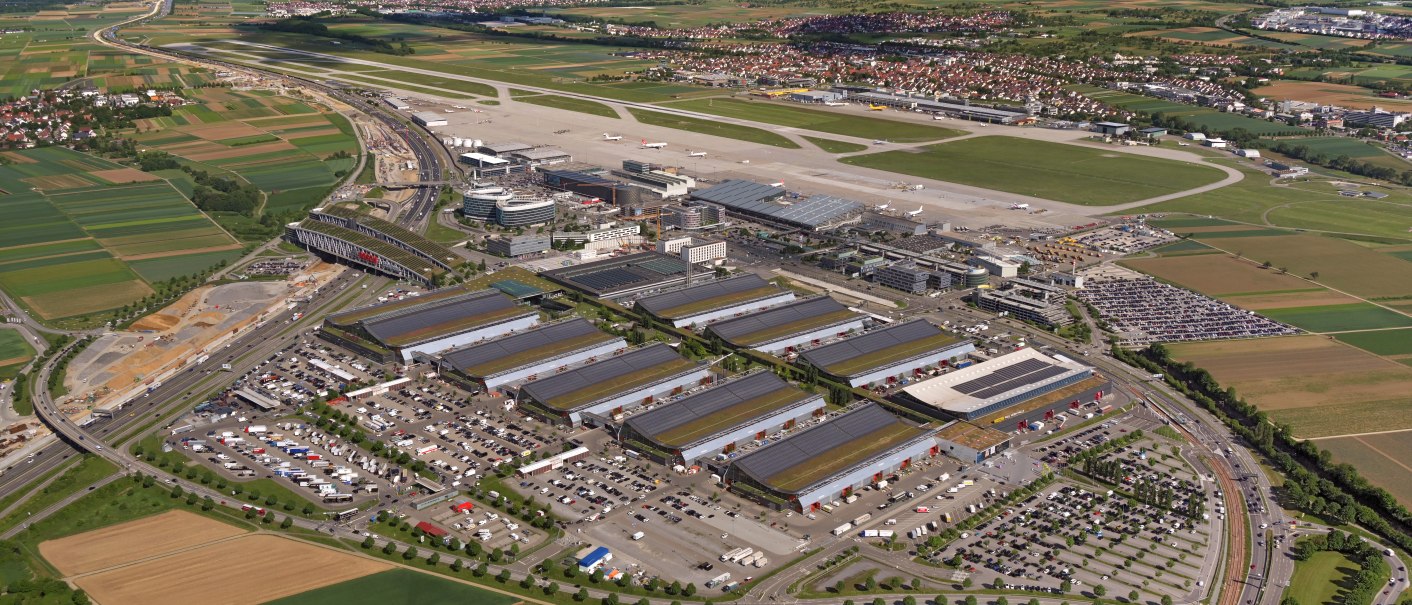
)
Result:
{"points": [[1289, 300], [249, 569], [132, 541], [124, 175]]}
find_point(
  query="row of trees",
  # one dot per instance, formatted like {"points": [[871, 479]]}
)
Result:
{"points": [[1343, 163], [1314, 483], [1372, 569]]}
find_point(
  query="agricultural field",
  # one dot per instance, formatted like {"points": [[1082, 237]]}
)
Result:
{"points": [[1339, 264], [1317, 385], [1339, 318], [1056, 171], [1382, 458], [1317, 41], [75, 227], [398, 587], [14, 353], [1218, 275], [720, 129], [283, 146], [819, 120], [1393, 344], [1329, 93]]}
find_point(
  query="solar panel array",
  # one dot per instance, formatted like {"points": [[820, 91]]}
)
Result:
{"points": [[723, 287], [470, 357], [800, 448], [664, 266], [708, 402], [389, 328], [1008, 378], [776, 316], [607, 370], [872, 342]]}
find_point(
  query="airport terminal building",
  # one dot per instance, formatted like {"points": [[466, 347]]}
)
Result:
{"points": [[599, 392], [828, 461], [528, 355], [701, 304], [718, 420], [781, 328], [886, 355], [427, 324], [1019, 386]]}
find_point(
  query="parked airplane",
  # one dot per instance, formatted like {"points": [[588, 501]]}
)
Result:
{"points": [[834, 104], [938, 116], [914, 212], [877, 107], [695, 154], [882, 206], [612, 137], [1019, 206], [646, 145]]}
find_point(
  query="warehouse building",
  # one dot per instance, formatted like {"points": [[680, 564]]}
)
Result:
{"points": [[996, 266], [1014, 386], [486, 166], [716, 421], [600, 392], [396, 103], [970, 443], [894, 224], [887, 355], [761, 203], [978, 113], [518, 245], [625, 276], [781, 328], [1026, 300], [830, 460], [664, 184], [429, 119], [540, 156], [528, 355], [725, 298], [430, 323], [503, 150]]}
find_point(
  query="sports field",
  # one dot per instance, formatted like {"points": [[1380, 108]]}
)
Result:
{"points": [[1384, 459], [1056, 171], [720, 129], [398, 587], [1320, 386], [14, 353], [69, 249], [842, 121], [1339, 318]]}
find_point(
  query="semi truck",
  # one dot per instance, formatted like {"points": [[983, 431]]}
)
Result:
{"points": [[842, 529]]}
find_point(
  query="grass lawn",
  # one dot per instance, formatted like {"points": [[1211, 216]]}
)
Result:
{"points": [[1316, 580], [1336, 318], [398, 587], [1055, 171], [89, 470], [729, 131], [833, 122], [571, 104], [833, 146]]}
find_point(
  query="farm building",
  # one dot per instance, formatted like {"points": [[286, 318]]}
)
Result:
{"points": [[718, 420], [527, 355], [784, 327], [598, 391], [900, 351], [830, 460], [971, 443], [1025, 385], [427, 324], [704, 303], [624, 276]]}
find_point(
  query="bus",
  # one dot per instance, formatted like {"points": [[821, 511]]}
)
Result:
{"points": [[345, 515]]}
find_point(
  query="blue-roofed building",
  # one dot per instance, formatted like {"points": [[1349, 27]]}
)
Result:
{"points": [[595, 559]]}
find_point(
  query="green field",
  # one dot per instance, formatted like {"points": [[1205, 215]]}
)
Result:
{"points": [[398, 587], [729, 131], [833, 146], [1316, 581], [1338, 318], [1381, 342], [1201, 117], [1183, 247], [832, 122], [14, 353], [571, 104], [1055, 171]]}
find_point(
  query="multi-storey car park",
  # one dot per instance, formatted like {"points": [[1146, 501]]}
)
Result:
{"points": [[1024, 386], [828, 461], [624, 276], [598, 392], [887, 355], [704, 303], [716, 421], [784, 327], [527, 355], [426, 324]]}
